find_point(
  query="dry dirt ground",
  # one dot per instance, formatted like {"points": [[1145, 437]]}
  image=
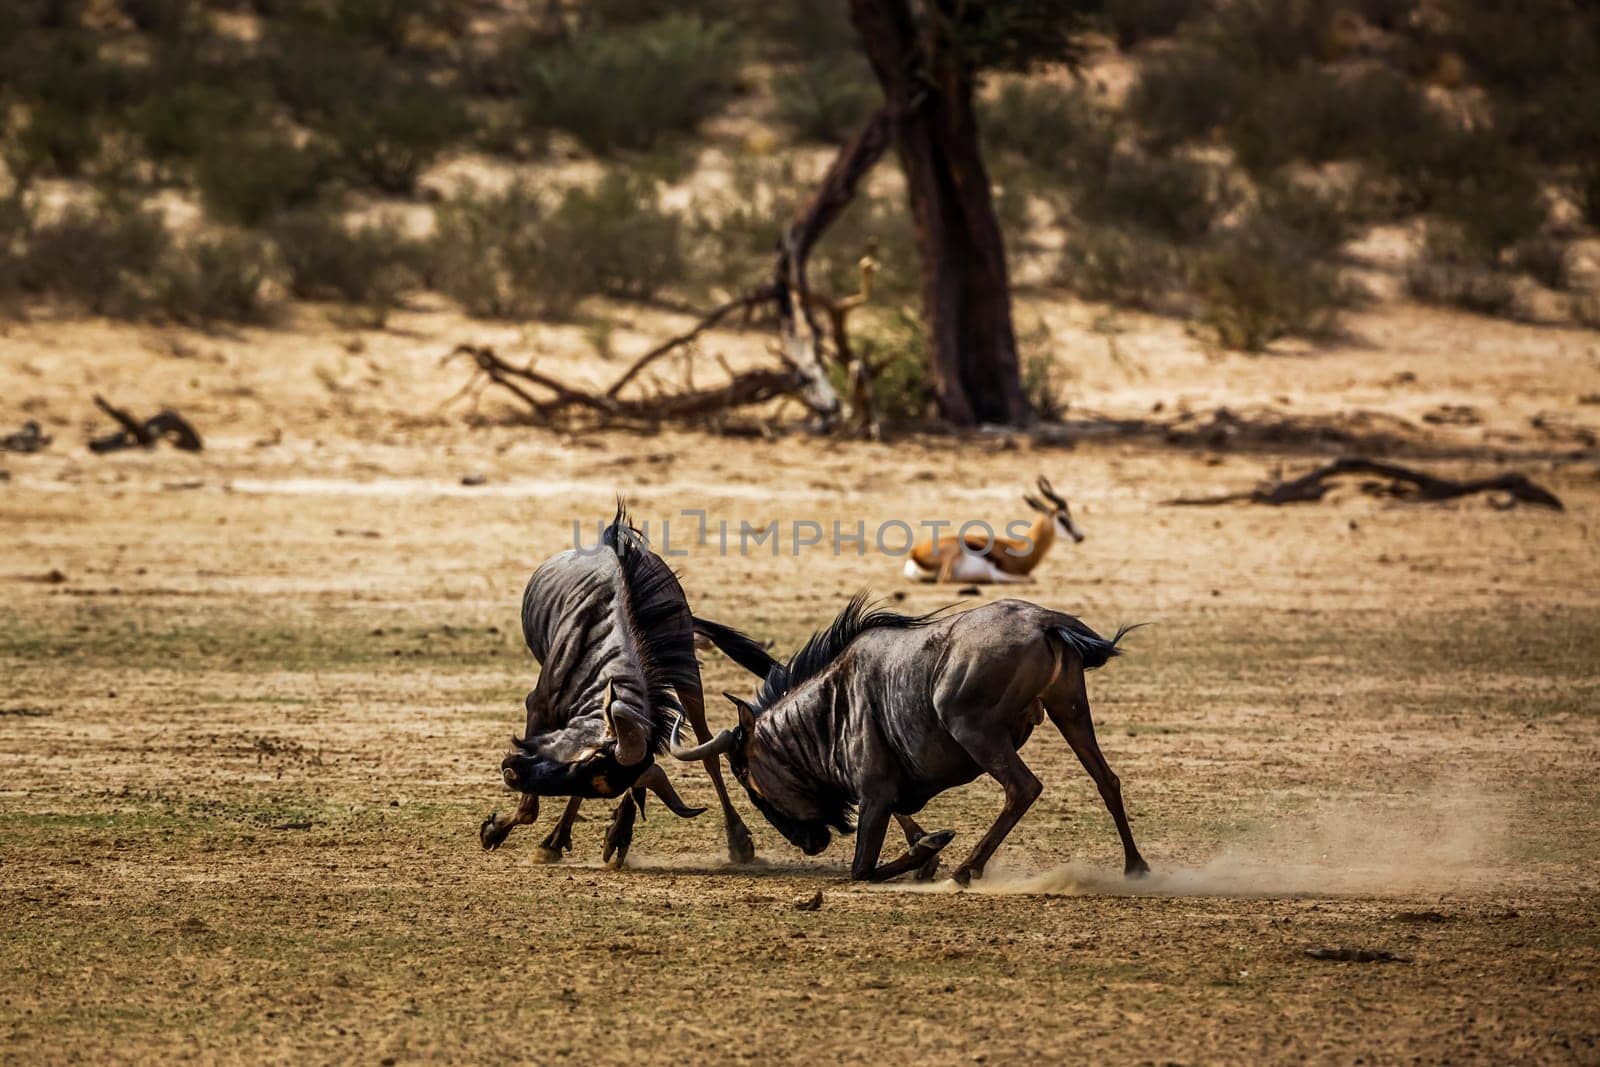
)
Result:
{"points": [[252, 703]]}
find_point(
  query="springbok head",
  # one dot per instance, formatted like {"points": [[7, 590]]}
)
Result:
{"points": [[1056, 507]]}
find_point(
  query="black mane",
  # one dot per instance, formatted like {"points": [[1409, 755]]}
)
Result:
{"points": [[658, 619], [826, 645]]}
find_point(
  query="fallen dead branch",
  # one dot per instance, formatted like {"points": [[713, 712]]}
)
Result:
{"points": [[28, 439], [166, 424], [1403, 483]]}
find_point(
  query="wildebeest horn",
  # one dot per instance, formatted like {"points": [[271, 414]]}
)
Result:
{"points": [[630, 744], [723, 743], [1044, 487], [656, 780]]}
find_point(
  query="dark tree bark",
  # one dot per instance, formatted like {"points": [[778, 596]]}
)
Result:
{"points": [[966, 294]]}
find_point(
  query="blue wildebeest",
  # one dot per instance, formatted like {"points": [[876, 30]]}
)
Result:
{"points": [[614, 637], [882, 712]]}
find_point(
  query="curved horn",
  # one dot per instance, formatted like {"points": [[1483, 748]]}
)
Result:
{"points": [[1036, 504], [723, 743], [1054, 497], [630, 746], [655, 780]]}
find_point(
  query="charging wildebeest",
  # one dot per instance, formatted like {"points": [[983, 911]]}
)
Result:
{"points": [[882, 712], [614, 637]]}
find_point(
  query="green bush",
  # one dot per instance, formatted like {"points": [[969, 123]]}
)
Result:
{"points": [[1174, 196], [826, 99], [389, 138], [1264, 35], [1055, 130], [102, 258], [1132, 21], [221, 278], [1125, 267], [632, 87], [896, 349], [368, 265], [622, 243], [1454, 269], [247, 176], [1323, 220], [1317, 114], [1259, 283], [488, 255], [1186, 94]]}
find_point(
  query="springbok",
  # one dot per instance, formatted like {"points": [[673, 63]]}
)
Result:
{"points": [[882, 712], [613, 634], [979, 558]]}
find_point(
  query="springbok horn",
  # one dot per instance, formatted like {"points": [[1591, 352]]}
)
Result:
{"points": [[630, 746], [1044, 487], [1036, 504], [655, 780], [717, 746]]}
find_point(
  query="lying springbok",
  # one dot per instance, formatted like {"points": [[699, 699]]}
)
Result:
{"points": [[882, 712], [613, 634], [980, 559]]}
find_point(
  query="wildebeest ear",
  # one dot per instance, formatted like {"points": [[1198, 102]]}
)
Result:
{"points": [[747, 714], [630, 742]]}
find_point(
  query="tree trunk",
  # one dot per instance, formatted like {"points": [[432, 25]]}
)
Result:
{"points": [[966, 294]]}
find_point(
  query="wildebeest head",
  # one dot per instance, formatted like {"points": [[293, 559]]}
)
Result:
{"points": [[593, 755], [798, 808], [1056, 507]]}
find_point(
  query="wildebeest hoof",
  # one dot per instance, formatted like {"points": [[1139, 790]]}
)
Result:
{"points": [[489, 834], [1136, 870], [934, 841], [741, 849], [546, 854], [616, 860], [964, 875], [928, 871]]}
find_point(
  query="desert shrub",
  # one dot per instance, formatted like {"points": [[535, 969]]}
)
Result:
{"points": [[1260, 282], [1053, 129], [803, 31], [1125, 267], [630, 87], [1454, 269], [388, 138], [621, 243], [896, 348], [324, 258], [1185, 94], [217, 278], [1132, 21], [826, 99], [513, 255], [1322, 219], [1545, 258], [1497, 203], [69, 93], [101, 257], [1043, 384], [1317, 114], [881, 225], [1174, 196], [1260, 35], [246, 176], [163, 18], [184, 121]]}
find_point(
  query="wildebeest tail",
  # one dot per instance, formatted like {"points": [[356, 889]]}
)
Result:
{"points": [[1093, 649], [740, 647]]}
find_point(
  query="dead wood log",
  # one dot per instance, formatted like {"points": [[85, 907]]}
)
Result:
{"points": [[1403, 483], [166, 424], [31, 438]]}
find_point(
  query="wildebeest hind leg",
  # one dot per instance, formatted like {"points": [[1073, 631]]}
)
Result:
{"points": [[1068, 705], [559, 840], [493, 830], [741, 849], [996, 756], [915, 833]]}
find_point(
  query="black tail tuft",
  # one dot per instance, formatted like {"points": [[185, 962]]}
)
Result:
{"points": [[1094, 650], [743, 649]]}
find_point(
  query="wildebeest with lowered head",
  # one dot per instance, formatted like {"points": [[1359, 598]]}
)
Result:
{"points": [[612, 631], [882, 712]]}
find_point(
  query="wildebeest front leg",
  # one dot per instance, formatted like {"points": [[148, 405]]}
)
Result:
{"points": [[559, 841], [741, 848], [870, 828], [619, 837], [996, 756], [915, 833], [493, 830], [1072, 719]]}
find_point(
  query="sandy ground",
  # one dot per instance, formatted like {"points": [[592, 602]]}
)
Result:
{"points": [[252, 703]]}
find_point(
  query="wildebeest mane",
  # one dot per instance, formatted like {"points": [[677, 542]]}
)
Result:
{"points": [[658, 619], [826, 644]]}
